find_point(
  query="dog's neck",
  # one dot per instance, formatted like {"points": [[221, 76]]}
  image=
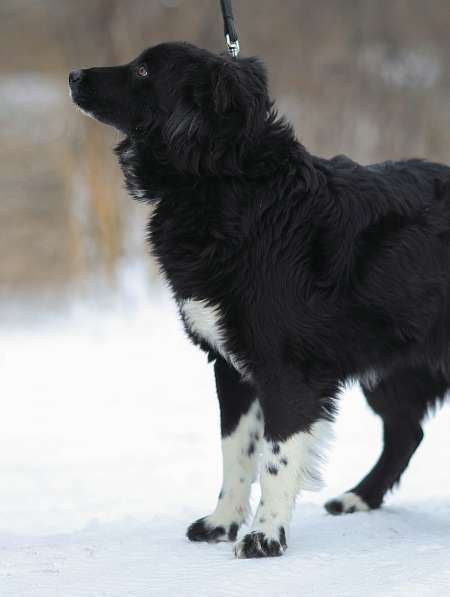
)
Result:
{"points": [[152, 169]]}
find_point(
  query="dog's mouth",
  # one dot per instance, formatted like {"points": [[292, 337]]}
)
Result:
{"points": [[81, 97], [75, 80], [87, 99], [86, 106], [83, 105], [78, 98]]}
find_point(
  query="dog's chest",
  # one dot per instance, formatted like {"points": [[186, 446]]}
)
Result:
{"points": [[190, 257], [204, 322]]}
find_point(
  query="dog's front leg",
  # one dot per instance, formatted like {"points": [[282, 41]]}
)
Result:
{"points": [[297, 423], [242, 430]]}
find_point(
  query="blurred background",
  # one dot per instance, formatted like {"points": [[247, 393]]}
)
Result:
{"points": [[368, 78]]}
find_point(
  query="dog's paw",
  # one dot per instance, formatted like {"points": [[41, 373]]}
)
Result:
{"points": [[258, 545], [204, 530], [347, 503]]}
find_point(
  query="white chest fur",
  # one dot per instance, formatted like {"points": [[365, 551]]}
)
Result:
{"points": [[205, 321]]}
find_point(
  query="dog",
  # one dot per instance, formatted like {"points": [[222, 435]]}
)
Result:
{"points": [[294, 273]]}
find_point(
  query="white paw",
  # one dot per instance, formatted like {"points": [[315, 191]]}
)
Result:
{"points": [[258, 545], [204, 530], [346, 503]]}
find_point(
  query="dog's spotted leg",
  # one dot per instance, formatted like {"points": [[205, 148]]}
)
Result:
{"points": [[242, 431], [288, 467], [297, 418]]}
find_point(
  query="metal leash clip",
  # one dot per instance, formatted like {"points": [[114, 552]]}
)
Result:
{"points": [[229, 28], [233, 46]]}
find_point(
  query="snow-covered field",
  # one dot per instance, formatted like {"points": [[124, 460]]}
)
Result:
{"points": [[109, 447]]}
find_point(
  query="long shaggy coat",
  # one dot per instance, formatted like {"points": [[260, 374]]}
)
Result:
{"points": [[293, 272]]}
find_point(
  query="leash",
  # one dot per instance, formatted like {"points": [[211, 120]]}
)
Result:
{"points": [[229, 28]]}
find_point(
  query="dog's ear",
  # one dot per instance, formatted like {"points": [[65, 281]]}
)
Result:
{"points": [[224, 107], [238, 86]]}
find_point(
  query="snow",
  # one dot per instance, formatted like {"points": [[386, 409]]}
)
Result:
{"points": [[109, 448]]}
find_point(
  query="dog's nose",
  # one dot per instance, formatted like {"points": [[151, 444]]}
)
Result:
{"points": [[75, 76]]}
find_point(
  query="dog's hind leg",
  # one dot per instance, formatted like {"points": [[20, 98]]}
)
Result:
{"points": [[242, 429], [401, 399]]}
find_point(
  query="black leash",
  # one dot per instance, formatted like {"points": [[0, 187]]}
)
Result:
{"points": [[229, 28]]}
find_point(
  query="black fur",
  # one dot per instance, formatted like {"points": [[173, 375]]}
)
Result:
{"points": [[323, 270]]}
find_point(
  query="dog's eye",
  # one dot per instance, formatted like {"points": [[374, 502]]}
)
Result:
{"points": [[141, 71]]}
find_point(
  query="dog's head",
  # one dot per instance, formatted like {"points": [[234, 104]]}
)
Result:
{"points": [[190, 100]]}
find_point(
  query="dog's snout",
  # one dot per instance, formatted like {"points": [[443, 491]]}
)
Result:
{"points": [[76, 75]]}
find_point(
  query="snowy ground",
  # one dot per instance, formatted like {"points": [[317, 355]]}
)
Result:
{"points": [[109, 447]]}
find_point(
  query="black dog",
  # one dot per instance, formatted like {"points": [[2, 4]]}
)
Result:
{"points": [[294, 273]]}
